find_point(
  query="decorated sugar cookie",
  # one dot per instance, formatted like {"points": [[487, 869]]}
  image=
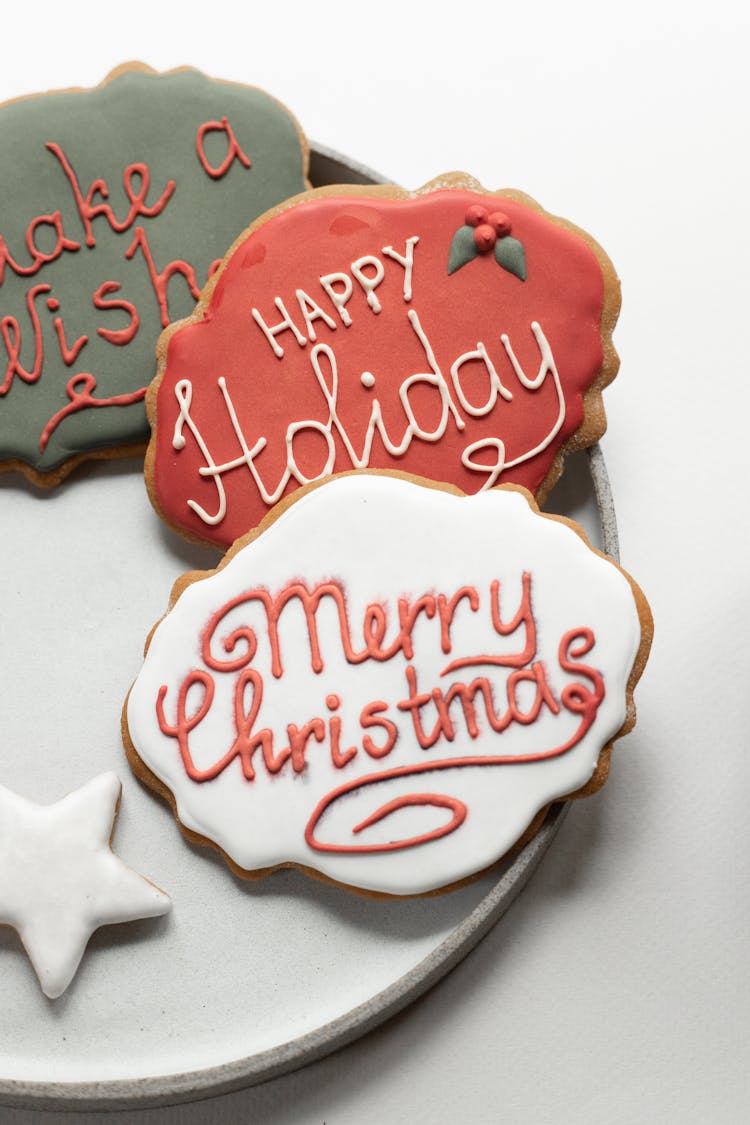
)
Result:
{"points": [[60, 880], [452, 333], [115, 204], [388, 684]]}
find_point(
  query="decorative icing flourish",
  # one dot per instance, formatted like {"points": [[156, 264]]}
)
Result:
{"points": [[581, 699], [325, 369], [80, 390]]}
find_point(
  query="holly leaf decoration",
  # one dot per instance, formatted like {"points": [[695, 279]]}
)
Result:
{"points": [[463, 249], [510, 254]]}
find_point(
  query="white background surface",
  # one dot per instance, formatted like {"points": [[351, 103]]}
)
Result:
{"points": [[616, 989]]}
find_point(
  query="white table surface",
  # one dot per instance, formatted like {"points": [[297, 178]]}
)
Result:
{"points": [[616, 988]]}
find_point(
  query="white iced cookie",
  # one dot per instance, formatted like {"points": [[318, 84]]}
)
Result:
{"points": [[60, 880], [388, 683]]}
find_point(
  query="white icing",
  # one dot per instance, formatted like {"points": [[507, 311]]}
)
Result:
{"points": [[496, 385], [339, 288], [438, 381], [311, 311], [382, 538], [339, 297], [286, 324], [546, 367], [369, 283], [406, 260], [60, 881], [376, 425]]}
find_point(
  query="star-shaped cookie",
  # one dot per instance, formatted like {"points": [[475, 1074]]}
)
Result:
{"points": [[60, 880]]}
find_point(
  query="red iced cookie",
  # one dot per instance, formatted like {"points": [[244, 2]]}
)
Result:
{"points": [[451, 333]]}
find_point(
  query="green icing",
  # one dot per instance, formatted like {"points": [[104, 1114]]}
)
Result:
{"points": [[510, 254], [136, 118], [463, 249]]}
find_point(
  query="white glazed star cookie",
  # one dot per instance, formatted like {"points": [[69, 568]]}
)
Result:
{"points": [[60, 880]]}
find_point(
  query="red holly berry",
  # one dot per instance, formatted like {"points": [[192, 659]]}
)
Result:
{"points": [[484, 238], [500, 222], [475, 215]]}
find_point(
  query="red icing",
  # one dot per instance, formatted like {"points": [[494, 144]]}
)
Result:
{"points": [[136, 181], [39, 257], [11, 334], [475, 215], [12, 337], [524, 617], [69, 353], [160, 279], [80, 390], [500, 223], [234, 151], [435, 800], [91, 205], [451, 707], [372, 716], [356, 357], [120, 336], [576, 698], [374, 626], [484, 238]]}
